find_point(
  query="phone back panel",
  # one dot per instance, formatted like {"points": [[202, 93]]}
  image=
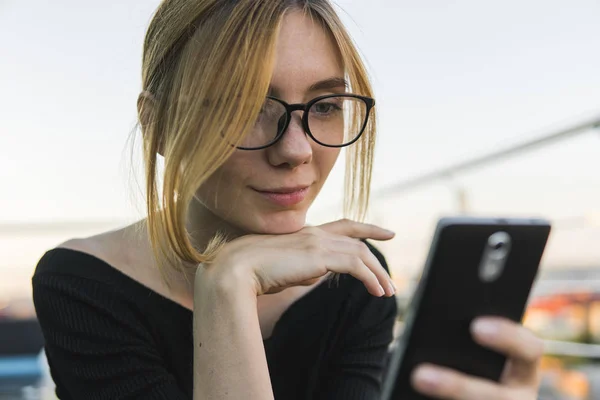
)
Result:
{"points": [[451, 294]]}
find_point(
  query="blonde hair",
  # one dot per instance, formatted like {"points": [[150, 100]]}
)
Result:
{"points": [[198, 111]]}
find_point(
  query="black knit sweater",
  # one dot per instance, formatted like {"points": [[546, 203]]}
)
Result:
{"points": [[109, 337]]}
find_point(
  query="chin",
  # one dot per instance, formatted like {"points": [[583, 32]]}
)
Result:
{"points": [[278, 223]]}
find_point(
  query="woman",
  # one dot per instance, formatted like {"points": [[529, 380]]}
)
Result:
{"points": [[223, 292]]}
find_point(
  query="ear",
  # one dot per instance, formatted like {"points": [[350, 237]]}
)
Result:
{"points": [[146, 106]]}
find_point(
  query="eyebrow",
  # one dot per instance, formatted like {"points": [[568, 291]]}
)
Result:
{"points": [[331, 83], [325, 84]]}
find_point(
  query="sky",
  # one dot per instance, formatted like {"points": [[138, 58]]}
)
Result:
{"points": [[453, 80]]}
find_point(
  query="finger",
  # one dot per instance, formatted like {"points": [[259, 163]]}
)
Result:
{"points": [[359, 249], [357, 230], [309, 282], [519, 344], [348, 264], [444, 383]]}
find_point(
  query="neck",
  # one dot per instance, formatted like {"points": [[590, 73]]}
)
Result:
{"points": [[203, 225]]}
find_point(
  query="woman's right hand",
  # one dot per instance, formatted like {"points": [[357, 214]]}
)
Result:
{"points": [[271, 263]]}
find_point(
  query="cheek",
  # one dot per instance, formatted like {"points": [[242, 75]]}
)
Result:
{"points": [[326, 158], [228, 179], [237, 169]]}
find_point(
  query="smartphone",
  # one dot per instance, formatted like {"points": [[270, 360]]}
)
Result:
{"points": [[475, 267]]}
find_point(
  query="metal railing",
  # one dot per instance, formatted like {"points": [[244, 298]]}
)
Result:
{"points": [[490, 158], [571, 349]]}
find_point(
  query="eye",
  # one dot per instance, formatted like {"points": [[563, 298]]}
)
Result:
{"points": [[326, 107]]}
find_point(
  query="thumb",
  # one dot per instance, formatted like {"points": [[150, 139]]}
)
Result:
{"points": [[357, 230]]}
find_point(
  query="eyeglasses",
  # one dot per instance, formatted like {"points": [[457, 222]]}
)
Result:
{"points": [[335, 120]]}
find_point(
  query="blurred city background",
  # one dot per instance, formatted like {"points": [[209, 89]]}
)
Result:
{"points": [[485, 108]]}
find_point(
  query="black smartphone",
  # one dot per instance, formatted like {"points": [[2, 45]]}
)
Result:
{"points": [[475, 267]]}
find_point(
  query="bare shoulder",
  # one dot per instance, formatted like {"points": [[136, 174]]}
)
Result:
{"points": [[84, 245], [126, 250], [105, 246], [94, 245]]}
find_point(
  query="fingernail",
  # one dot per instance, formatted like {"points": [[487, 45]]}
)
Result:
{"points": [[392, 288], [381, 291], [395, 287], [389, 232], [428, 376], [485, 328]]}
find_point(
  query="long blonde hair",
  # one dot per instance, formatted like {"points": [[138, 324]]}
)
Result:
{"points": [[208, 65]]}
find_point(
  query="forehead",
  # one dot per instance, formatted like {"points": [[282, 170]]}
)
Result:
{"points": [[305, 53]]}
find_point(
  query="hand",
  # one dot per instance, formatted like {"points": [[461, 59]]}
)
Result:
{"points": [[521, 377], [271, 263]]}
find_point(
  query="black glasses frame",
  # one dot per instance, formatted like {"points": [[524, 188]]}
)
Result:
{"points": [[305, 107]]}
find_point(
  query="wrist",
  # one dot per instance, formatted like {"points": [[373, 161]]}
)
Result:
{"points": [[224, 281]]}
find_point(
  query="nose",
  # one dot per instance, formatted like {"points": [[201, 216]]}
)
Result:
{"points": [[294, 148]]}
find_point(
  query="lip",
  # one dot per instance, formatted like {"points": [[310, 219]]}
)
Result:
{"points": [[284, 196]]}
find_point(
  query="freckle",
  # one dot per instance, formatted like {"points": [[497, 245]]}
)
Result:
{"points": [[199, 344]]}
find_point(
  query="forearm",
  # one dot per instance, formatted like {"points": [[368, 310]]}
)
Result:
{"points": [[229, 356]]}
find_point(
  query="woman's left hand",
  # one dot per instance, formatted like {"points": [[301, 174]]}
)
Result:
{"points": [[521, 377]]}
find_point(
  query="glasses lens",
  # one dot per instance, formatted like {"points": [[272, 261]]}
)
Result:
{"points": [[271, 120], [337, 120]]}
